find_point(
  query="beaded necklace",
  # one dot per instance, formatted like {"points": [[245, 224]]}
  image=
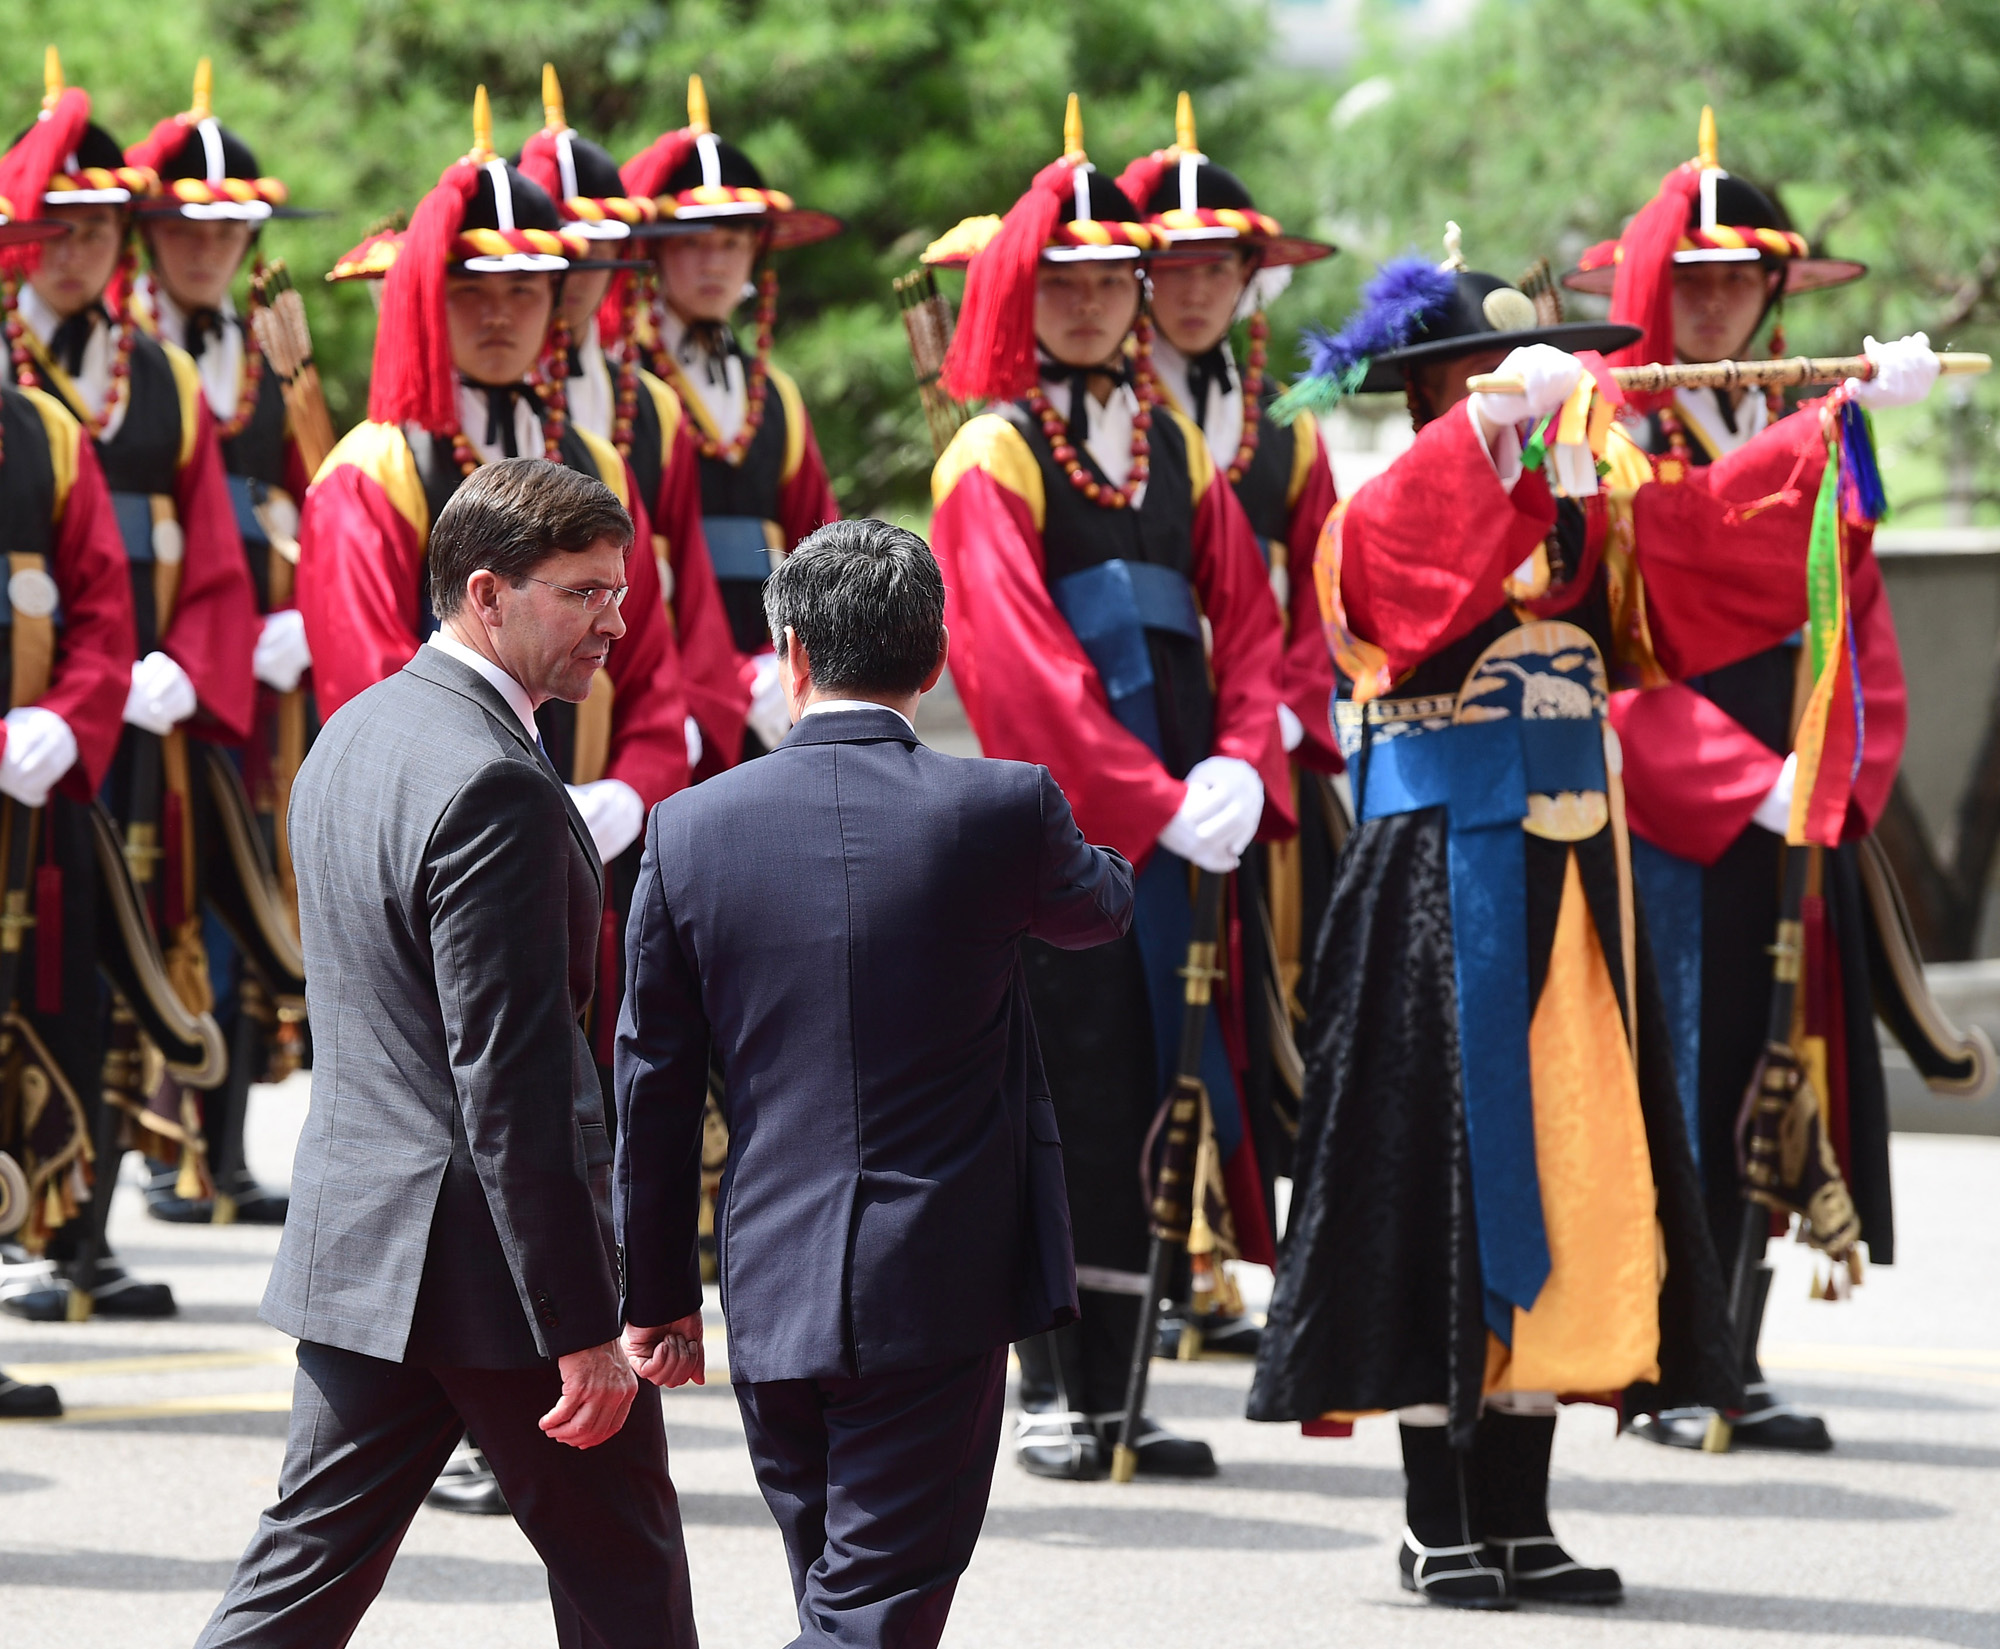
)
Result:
{"points": [[1061, 447], [549, 396], [756, 389], [253, 364], [28, 376], [624, 364]]}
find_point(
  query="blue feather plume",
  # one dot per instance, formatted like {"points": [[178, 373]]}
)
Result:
{"points": [[1859, 470], [1405, 293]]}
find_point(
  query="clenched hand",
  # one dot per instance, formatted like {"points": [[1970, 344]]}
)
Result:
{"points": [[670, 1355], [597, 1392]]}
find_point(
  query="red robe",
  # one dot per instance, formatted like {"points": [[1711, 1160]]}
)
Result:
{"points": [[1694, 775], [1306, 681], [718, 694], [215, 624], [361, 555], [1029, 688], [94, 647], [1423, 551]]}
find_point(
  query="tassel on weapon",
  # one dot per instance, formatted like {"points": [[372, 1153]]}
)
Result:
{"points": [[280, 324], [1173, 1188]]}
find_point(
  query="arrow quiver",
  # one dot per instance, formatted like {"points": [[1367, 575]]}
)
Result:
{"points": [[927, 324]]}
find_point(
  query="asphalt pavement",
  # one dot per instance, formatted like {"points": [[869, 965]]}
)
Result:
{"points": [[120, 1523]]}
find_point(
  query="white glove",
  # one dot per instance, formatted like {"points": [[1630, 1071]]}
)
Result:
{"points": [[694, 743], [1904, 372], [1291, 731], [281, 655], [1547, 376], [769, 719], [1218, 816], [1774, 812], [161, 697], [40, 750], [612, 812]]}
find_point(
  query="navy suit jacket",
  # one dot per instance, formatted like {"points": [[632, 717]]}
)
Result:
{"points": [[840, 922]]}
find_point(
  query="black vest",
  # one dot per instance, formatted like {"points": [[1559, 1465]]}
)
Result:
{"points": [[747, 491], [1267, 481], [27, 505], [257, 450], [1077, 534], [647, 457], [442, 478]]}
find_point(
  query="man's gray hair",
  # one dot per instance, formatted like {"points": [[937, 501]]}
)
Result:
{"points": [[513, 515], [867, 601]]}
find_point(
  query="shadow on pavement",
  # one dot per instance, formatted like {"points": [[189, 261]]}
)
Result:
{"points": [[1146, 1528], [1812, 1617]]}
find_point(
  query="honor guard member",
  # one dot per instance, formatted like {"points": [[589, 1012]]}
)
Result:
{"points": [[1495, 1200], [66, 631], [1222, 261], [1709, 765], [1092, 551], [468, 304], [764, 485], [612, 395], [199, 231], [70, 332]]}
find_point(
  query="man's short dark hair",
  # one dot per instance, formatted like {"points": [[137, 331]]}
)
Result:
{"points": [[512, 515], [867, 600]]}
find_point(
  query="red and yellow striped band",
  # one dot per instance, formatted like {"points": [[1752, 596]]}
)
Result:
{"points": [[136, 181], [765, 200], [1779, 243], [1104, 232], [242, 191], [498, 243], [1245, 225], [611, 209]]}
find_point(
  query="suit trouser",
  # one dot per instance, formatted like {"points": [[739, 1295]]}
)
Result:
{"points": [[367, 1441], [879, 1487]]}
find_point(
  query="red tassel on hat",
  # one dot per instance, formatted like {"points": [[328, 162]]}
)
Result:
{"points": [[25, 170], [992, 355], [161, 144], [645, 174], [1142, 177], [413, 381], [1642, 292]]}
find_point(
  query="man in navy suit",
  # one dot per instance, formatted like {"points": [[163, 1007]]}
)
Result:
{"points": [[841, 924]]}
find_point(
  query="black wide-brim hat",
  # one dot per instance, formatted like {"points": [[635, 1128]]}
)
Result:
{"points": [[212, 176], [1486, 313]]}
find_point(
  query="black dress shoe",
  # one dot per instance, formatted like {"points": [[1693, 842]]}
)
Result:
{"points": [[1769, 1422], [21, 1401], [244, 1202], [467, 1484], [1162, 1453], [1220, 1336], [1674, 1428], [1059, 1445], [117, 1294], [1538, 1570], [1459, 1577]]}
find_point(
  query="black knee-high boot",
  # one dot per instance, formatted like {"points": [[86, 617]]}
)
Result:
{"points": [[1442, 1558], [1510, 1481], [1054, 1437]]}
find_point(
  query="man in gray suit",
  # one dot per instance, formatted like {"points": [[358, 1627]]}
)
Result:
{"points": [[448, 1263]]}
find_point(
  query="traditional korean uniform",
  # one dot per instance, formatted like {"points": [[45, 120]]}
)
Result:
{"points": [[1494, 1200], [243, 872], [1708, 786], [1111, 619], [763, 484]]}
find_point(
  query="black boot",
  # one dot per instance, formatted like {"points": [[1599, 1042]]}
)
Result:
{"points": [[1442, 1560], [1510, 1458], [1109, 1327], [1054, 1436], [164, 1200], [239, 1199], [467, 1484]]}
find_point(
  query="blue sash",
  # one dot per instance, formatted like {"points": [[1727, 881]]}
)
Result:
{"points": [[133, 511], [739, 547], [1111, 606], [1481, 774], [245, 495], [1670, 892]]}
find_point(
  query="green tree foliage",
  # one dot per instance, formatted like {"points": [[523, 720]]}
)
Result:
{"points": [[900, 115], [1546, 123]]}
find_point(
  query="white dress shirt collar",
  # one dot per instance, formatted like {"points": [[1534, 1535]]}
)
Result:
{"points": [[828, 707], [220, 363], [505, 685], [1703, 409], [472, 419]]}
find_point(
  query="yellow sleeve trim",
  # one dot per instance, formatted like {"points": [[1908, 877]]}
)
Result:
{"points": [[669, 407], [610, 466], [1305, 449], [65, 436], [187, 379], [795, 422], [382, 453], [1201, 462], [1630, 469], [990, 443]]}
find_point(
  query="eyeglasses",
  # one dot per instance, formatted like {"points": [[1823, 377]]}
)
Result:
{"points": [[595, 599]]}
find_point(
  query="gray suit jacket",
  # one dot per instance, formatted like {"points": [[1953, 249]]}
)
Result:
{"points": [[450, 1193]]}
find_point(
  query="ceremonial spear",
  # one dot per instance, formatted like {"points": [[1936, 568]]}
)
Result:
{"points": [[1778, 374]]}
